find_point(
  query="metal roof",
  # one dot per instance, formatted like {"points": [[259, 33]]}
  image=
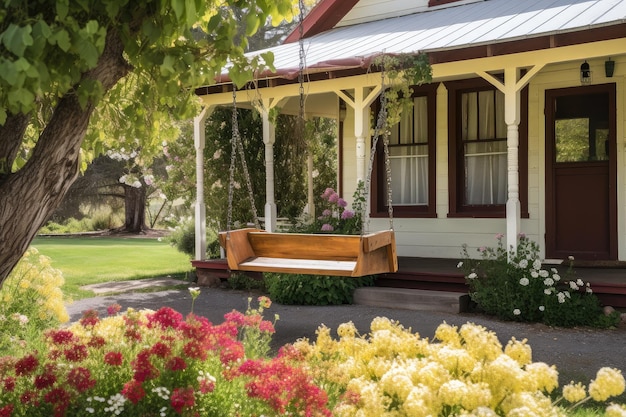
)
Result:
{"points": [[474, 24]]}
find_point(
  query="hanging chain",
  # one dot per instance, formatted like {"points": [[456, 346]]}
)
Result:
{"points": [[238, 146], [380, 130]]}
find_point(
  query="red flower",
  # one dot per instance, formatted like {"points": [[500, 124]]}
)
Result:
{"points": [[6, 411], [133, 390], [26, 365], [206, 386], [181, 398], [80, 378], [61, 400], [194, 350], [96, 342], [113, 309], [267, 326], [113, 358], [144, 369], [8, 383], [176, 364], [76, 353], [133, 334], [45, 380], [29, 397], [90, 318], [165, 317], [161, 350], [61, 337]]}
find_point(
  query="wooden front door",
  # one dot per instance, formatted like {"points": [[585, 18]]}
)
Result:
{"points": [[581, 173]]}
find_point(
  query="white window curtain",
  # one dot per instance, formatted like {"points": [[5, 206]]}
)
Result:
{"points": [[485, 151], [409, 156]]}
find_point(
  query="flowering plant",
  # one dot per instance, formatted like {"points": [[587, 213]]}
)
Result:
{"points": [[393, 372], [336, 217], [513, 285], [31, 299], [155, 363]]}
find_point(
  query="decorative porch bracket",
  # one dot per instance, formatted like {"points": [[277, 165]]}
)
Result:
{"points": [[511, 88], [361, 102]]}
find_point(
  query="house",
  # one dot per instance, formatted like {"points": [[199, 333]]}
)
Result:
{"points": [[522, 129]]}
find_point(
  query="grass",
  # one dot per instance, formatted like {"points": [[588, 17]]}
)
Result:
{"points": [[93, 260]]}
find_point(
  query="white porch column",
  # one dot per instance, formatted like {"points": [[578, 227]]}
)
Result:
{"points": [[269, 137], [200, 209], [511, 88], [512, 105]]}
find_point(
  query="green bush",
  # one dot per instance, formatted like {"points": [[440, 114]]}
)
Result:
{"points": [[241, 281], [183, 238], [303, 289], [512, 285]]}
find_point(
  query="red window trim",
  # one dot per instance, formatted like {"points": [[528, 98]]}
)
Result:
{"points": [[379, 197], [455, 177]]}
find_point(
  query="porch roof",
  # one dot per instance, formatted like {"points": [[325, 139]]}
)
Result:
{"points": [[483, 24]]}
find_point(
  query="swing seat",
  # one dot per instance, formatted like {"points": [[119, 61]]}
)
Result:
{"points": [[317, 254]]}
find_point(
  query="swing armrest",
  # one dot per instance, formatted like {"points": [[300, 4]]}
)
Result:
{"points": [[237, 246], [377, 240]]}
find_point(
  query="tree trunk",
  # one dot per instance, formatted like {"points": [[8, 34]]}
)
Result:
{"points": [[135, 209], [29, 196]]}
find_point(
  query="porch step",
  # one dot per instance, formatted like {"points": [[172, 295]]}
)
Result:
{"points": [[412, 299]]}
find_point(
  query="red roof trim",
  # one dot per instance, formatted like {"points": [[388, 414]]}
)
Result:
{"points": [[432, 3], [324, 16]]}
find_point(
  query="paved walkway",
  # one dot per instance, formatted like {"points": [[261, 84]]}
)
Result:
{"points": [[577, 353]]}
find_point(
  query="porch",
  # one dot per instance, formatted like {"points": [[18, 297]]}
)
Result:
{"points": [[608, 281]]}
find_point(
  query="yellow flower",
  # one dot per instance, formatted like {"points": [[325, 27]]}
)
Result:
{"points": [[479, 342], [574, 392], [542, 377], [452, 392], [609, 382], [457, 361], [347, 330], [616, 410], [448, 334], [419, 402], [519, 350], [396, 382]]}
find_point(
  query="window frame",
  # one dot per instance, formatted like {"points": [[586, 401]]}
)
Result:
{"points": [[379, 196], [456, 156]]}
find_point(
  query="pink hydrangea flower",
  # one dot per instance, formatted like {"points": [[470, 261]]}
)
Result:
{"points": [[327, 228], [347, 214]]}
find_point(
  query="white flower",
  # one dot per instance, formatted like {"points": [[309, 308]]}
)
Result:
{"points": [[90, 410], [217, 154], [524, 281], [561, 297], [588, 290], [547, 291], [472, 275], [573, 285], [580, 282], [556, 277], [542, 308], [554, 270], [136, 184], [123, 179], [315, 173], [543, 273], [537, 264], [460, 264], [148, 179], [548, 282], [571, 258], [517, 312], [523, 263]]}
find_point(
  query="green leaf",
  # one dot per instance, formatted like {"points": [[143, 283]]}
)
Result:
{"points": [[3, 115], [16, 39], [213, 23], [63, 7], [167, 67], [62, 40], [179, 8], [190, 12], [8, 71], [268, 57], [252, 24]]}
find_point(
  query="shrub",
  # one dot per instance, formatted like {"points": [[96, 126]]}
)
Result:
{"points": [[512, 285], [241, 281], [313, 289], [183, 238], [31, 299]]}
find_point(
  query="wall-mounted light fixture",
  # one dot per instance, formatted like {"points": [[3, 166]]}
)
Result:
{"points": [[609, 68], [585, 73]]}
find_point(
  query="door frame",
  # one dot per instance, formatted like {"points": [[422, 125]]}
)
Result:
{"points": [[550, 195]]}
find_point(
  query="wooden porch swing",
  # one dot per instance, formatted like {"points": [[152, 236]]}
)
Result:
{"points": [[252, 249]]}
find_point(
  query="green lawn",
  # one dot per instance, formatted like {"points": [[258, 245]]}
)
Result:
{"points": [[91, 260]]}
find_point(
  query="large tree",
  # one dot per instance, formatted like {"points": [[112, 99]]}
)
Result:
{"points": [[60, 60]]}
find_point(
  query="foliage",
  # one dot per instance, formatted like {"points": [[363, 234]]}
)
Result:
{"points": [[464, 372], [157, 363], [31, 300], [513, 286], [241, 281], [183, 238], [313, 289]]}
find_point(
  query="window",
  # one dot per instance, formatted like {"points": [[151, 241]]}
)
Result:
{"points": [[412, 161], [478, 151]]}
